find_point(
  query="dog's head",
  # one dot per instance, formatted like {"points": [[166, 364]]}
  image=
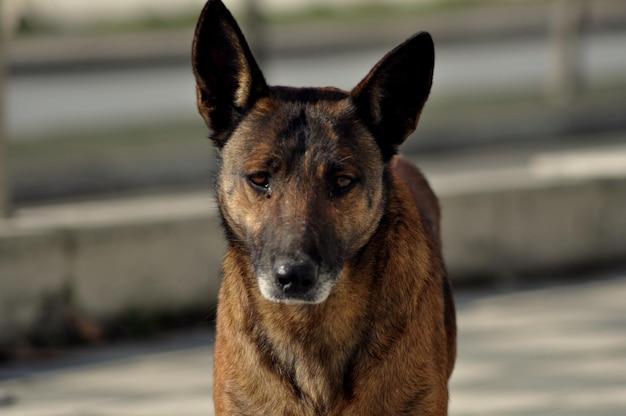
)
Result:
{"points": [[302, 183]]}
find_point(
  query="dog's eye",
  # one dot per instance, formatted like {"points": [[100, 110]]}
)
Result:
{"points": [[259, 180], [343, 184]]}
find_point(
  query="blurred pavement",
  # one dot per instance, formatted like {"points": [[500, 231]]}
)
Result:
{"points": [[553, 349]]}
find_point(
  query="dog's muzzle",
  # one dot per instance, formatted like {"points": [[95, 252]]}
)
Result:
{"points": [[295, 281]]}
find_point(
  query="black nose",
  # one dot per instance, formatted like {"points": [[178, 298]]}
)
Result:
{"points": [[295, 276]]}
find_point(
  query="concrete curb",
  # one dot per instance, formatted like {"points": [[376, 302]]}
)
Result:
{"points": [[163, 253], [550, 227], [98, 261]]}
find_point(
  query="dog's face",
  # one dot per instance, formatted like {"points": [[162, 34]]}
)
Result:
{"points": [[301, 185]]}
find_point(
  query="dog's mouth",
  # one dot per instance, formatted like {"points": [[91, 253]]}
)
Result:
{"points": [[295, 281]]}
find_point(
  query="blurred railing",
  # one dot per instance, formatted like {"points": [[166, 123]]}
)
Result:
{"points": [[566, 24], [563, 84], [4, 180]]}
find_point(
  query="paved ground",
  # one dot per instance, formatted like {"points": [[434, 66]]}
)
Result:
{"points": [[557, 349]]}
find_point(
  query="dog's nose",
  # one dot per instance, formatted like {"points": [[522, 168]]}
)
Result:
{"points": [[295, 276]]}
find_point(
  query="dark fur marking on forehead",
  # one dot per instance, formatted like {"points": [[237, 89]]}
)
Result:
{"points": [[298, 130], [303, 130]]}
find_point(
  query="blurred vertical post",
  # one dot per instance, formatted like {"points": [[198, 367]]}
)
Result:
{"points": [[566, 22], [253, 22], [5, 200]]}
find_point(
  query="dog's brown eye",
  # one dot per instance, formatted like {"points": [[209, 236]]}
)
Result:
{"points": [[260, 179], [343, 184]]}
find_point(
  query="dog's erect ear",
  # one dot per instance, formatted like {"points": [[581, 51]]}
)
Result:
{"points": [[391, 97], [228, 79]]}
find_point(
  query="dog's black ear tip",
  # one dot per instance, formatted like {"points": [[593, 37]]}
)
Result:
{"points": [[211, 13], [212, 4], [426, 36], [422, 42]]}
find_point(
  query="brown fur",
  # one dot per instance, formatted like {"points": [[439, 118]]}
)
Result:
{"points": [[309, 184]]}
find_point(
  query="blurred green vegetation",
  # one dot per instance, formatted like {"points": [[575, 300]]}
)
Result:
{"points": [[379, 10], [367, 11], [32, 27]]}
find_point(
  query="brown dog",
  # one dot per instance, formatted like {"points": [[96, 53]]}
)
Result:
{"points": [[334, 299]]}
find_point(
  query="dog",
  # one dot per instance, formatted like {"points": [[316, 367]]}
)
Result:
{"points": [[334, 298]]}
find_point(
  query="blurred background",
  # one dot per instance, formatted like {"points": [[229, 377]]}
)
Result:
{"points": [[99, 99], [109, 230]]}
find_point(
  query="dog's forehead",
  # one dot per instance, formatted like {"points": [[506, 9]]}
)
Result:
{"points": [[310, 111], [292, 121]]}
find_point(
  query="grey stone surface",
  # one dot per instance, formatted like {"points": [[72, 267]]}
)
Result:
{"points": [[558, 350], [524, 229], [33, 272], [150, 267], [100, 259]]}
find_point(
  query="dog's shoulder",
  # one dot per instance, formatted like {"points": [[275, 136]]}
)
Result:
{"points": [[421, 192]]}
